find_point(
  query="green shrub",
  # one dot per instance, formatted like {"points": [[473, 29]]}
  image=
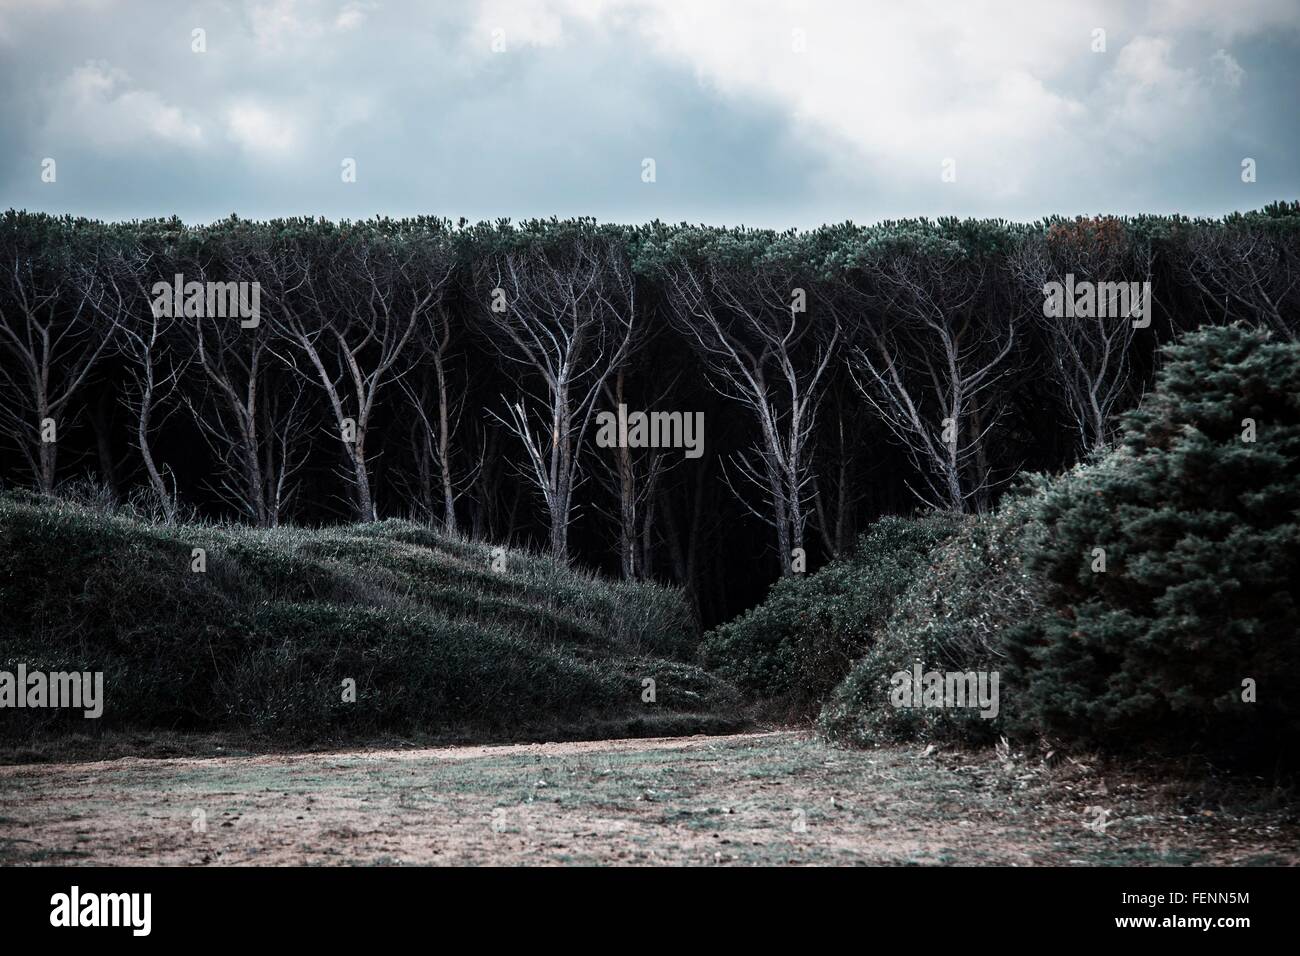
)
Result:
{"points": [[436, 642], [1201, 538], [951, 618], [1201, 545], [791, 650], [411, 671]]}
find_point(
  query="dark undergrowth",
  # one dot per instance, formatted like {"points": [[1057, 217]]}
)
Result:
{"points": [[293, 637]]}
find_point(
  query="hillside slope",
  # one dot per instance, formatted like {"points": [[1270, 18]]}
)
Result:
{"points": [[441, 638]]}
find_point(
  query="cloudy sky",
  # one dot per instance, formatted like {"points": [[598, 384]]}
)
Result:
{"points": [[780, 113]]}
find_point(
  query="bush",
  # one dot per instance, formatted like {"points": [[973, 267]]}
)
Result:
{"points": [[1198, 529], [951, 618], [437, 643], [1202, 549], [791, 650]]}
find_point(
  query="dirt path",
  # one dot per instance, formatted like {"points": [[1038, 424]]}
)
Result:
{"points": [[748, 798]]}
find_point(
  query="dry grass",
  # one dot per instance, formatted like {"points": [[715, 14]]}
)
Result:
{"points": [[777, 798]]}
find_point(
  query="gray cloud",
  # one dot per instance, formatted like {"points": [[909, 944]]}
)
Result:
{"points": [[742, 127]]}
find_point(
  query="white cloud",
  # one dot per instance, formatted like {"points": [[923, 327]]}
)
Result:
{"points": [[1144, 64], [280, 26], [1149, 99], [1225, 20], [520, 23], [742, 124], [260, 131], [352, 16], [903, 85], [278, 23], [1011, 90], [98, 103], [1229, 71]]}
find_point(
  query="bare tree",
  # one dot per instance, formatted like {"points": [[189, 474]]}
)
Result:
{"points": [[1245, 270], [50, 290], [352, 309], [437, 419], [928, 359], [632, 478], [834, 494], [244, 398], [253, 413], [153, 368], [1090, 358], [566, 314], [745, 321]]}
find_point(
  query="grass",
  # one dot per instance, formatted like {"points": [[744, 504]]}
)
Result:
{"points": [[258, 646], [755, 799]]}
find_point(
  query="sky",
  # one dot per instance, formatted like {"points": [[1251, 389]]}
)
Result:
{"points": [[778, 114]]}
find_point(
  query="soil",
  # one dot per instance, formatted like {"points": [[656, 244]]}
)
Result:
{"points": [[762, 798]]}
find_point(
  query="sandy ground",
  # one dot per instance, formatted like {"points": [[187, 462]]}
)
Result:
{"points": [[773, 798]]}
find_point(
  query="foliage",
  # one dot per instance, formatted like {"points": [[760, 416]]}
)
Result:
{"points": [[1201, 541], [437, 642], [791, 650], [952, 617], [1146, 599]]}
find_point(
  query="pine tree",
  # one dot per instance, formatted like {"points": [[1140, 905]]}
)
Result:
{"points": [[1173, 562]]}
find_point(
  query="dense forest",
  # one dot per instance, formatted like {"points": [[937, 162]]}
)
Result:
{"points": [[308, 372]]}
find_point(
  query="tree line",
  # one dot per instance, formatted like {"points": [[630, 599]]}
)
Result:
{"points": [[308, 371]]}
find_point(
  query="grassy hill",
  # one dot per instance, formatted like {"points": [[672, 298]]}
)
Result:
{"points": [[442, 641]]}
